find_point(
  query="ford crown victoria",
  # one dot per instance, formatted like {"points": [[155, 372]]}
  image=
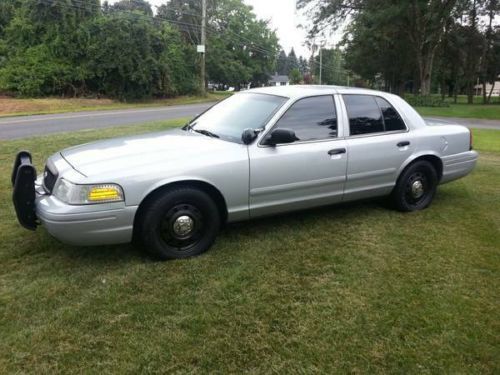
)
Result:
{"points": [[260, 152]]}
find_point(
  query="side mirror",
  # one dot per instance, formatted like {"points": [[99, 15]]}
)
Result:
{"points": [[248, 136], [279, 136]]}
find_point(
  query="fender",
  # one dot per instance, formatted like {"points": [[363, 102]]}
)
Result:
{"points": [[415, 156], [171, 180], [234, 212]]}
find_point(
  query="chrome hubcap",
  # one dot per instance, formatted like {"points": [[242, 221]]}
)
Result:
{"points": [[417, 189], [183, 226]]}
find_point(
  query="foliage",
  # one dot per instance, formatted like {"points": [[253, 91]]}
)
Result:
{"points": [[414, 45], [295, 76], [303, 65], [141, 6], [75, 47], [282, 63], [241, 50], [287, 63], [425, 101], [333, 71]]}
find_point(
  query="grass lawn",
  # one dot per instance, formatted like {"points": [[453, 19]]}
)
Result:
{"points": [[353, 288], [479, 111], [18, 107]]}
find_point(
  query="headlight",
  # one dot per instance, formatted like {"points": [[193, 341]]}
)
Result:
{"points": [[87, 194]]}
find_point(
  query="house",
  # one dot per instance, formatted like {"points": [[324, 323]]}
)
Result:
{"points": [[478, 89], [277, 80]]}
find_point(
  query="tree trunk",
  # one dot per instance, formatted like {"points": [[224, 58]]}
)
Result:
{"points": [[425, 72], [491, 92], [455, 93], [470, 92], [471, 55]]}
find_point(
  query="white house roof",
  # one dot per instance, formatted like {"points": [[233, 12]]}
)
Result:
{"points": [[279, 78]]}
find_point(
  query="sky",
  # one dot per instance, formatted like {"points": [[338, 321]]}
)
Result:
{"points": [[282, 17]]}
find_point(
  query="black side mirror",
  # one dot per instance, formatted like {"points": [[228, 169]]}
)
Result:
{"points": [[248, 136], [279, 136]]}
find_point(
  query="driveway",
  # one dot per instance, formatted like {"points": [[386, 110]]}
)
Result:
{"points": [[29, 126]]}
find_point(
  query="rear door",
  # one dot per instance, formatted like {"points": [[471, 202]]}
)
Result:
{"points": [[378, 143], [306, 173]]}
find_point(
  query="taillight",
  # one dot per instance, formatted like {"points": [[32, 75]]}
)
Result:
{"points": [[470, 139]]}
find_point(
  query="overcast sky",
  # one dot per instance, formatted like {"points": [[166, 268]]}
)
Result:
{"points": [[283, 18]]}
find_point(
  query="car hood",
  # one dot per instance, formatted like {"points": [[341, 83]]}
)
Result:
{"points": [[131, 153]]}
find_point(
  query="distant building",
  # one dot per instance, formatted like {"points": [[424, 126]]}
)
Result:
{"points": [[277, 80], [478, 89]]}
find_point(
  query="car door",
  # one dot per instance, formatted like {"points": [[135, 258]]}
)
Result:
{"points": [[378, 143], [305, 173]]}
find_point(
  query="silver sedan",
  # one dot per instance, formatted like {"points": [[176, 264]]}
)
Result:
{"points": [[261, 152]]}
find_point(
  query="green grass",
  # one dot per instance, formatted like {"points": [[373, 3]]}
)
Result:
{"points": [[22, 107], [478, 111], [462, 99], [353, 288]]}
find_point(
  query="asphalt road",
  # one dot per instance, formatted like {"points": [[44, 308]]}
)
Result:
{"points": [[30, 126]]}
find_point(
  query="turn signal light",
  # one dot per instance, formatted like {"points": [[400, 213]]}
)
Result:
{"points": [[104, 193]]}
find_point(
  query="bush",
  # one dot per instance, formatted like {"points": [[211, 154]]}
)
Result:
{"points": [[425, 101]]}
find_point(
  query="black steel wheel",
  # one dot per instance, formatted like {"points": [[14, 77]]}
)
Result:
{"points": [[179, 223], [416, 187]]}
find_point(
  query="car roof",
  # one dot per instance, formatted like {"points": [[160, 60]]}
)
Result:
{"points": [[298, 91]]}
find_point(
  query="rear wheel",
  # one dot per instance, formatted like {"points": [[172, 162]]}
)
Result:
{"points": [[416, 187], [179, 223]]}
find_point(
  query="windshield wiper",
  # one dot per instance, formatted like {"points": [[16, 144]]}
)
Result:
{"points": [[206, 132]]}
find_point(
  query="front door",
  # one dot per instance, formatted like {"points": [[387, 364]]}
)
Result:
{"points": [[306, 173]]}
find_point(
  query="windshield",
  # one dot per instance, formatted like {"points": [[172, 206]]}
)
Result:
{"points": [[227, 120]]}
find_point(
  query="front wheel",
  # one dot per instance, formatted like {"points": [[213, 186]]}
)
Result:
{"points": [[179, 223], [416, 187]]}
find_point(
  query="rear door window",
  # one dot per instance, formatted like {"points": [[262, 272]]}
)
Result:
{"points": [[364, 114], [371, 114]]}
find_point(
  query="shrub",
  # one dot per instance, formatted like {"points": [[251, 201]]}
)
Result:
{"points": [[425, 101]]}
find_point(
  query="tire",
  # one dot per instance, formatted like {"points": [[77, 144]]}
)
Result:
{"points": [[416, 187], [179, 223]]}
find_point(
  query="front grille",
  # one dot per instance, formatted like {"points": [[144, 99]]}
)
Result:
{"points": [[49, 180]]}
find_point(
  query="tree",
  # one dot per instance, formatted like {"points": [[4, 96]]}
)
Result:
{"points": [[132, 5], [333, 72], [293, 63], [376, 47], [295, 76], [282, 63], [240, 48], [67, 47], [490, 59], [303, 66], [423, 23], [43, 55]]}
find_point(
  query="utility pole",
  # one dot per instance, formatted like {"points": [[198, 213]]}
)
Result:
{"points": [[202, 50]]}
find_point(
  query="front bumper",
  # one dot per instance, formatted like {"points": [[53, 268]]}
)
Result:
{"points": [[88, 225]]}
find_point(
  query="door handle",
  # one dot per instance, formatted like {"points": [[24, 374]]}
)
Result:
{"points": [[403, 144], [336, 151]]}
